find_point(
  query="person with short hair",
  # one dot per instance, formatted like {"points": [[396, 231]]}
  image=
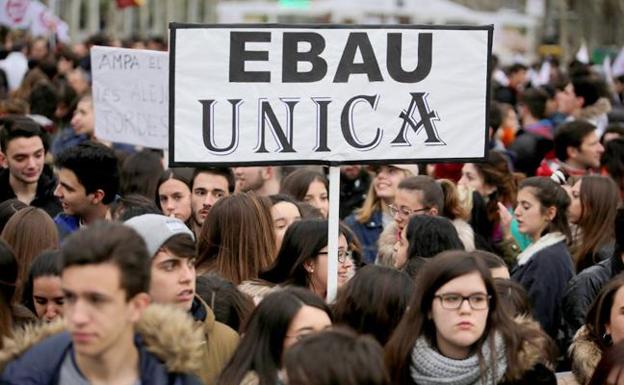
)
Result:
{"points": [[208, 185], [88, 184], [263, 181], [25, 145], [577, 150], [171, 246], [110, 335], [535, 139]]}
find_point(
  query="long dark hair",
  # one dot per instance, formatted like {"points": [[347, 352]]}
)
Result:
{"points": [[302, 242], [612, 359], [374, 300], [8, 278], [435, 273], [261, 347], [600, 198], [599, 313]]}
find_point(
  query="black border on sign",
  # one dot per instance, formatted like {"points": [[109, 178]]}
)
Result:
{"points": [[173, 26]]}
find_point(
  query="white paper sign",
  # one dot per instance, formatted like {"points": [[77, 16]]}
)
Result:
{"points": [[270, 94], [131, 95]]}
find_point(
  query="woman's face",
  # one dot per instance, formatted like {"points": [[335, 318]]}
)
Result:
{"points": [[317, 196], [48, 297], [284, 214], [308, 320], [318, 268], [472, 178], [175, 199], [387, 181], [400, 249], [615, 327], [458, 329], [575, 210], [532, 219]]}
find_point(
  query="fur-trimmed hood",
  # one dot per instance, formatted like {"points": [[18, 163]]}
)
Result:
{"points": [[585, 354], [166, 332], [533, 351], [601, 107]]}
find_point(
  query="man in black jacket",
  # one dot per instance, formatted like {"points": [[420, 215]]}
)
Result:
{"points": [[24, 145], [584, 288]]}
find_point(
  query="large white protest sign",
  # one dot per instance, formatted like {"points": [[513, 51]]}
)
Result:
{"points": [[327, 94], [131, 95]]}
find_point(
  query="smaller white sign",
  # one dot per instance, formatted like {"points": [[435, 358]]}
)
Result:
{"points": [[131, 96]]}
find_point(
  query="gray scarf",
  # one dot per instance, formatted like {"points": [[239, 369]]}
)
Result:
{"points": [[429, 367]]}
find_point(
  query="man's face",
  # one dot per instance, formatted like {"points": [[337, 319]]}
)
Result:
{"points": [[249, 178], [589, 153], [173, 279], [567, 102], [25, 158], [72, 194], [83, 120], [518, 78], [96, 312], [207, 190]]}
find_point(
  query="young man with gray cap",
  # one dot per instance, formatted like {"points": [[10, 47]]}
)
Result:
{"points": [[172, 247]]}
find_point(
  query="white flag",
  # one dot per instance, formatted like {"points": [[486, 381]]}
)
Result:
{"points": [[583, 54], [618, 65]]}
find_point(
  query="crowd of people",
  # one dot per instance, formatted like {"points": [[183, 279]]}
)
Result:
{"points": [[115, 269]]}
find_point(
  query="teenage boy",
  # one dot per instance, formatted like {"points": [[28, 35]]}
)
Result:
{"points": [[110, 336], [209, 184], [24, 145], [88, 183], [172, 247]]}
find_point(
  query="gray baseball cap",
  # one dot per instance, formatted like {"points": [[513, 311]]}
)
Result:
{"points": [[156, 229]]}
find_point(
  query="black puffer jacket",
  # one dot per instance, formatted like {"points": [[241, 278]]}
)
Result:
{"points": [[583, 289]]}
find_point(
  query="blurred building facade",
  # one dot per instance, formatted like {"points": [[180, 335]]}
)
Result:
{"points": [[561, 23]]}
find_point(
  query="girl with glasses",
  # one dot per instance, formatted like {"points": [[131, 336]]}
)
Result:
{"points": [[456, 331], [302, 259]]}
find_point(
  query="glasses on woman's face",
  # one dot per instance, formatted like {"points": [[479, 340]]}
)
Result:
{"points": [[342, 255], [404, 211], [453, 301]]}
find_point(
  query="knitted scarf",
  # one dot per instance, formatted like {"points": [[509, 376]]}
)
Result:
{"points": [[432, 368]]}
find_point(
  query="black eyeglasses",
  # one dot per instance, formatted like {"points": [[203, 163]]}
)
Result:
{"points": [[453, 301], [342, 255], [405, 212]]}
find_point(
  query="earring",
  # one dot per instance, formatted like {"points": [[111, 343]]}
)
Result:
{"points": [[607, 340]]}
